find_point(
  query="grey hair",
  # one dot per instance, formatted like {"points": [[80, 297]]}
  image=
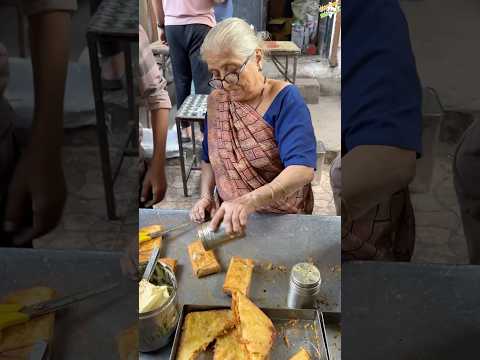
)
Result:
{"points": [[234, 34]]}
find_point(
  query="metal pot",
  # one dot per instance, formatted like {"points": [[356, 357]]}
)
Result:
{"points": [[156, 327]]}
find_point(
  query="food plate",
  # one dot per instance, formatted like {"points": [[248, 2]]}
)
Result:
{"points": [[295, 328]]}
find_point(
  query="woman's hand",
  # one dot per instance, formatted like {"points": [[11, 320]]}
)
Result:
{"points": [[200, 208], [154, 184], [234, 215]]}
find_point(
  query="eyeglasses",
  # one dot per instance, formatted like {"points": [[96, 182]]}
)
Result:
{"points": [[232, 78]]}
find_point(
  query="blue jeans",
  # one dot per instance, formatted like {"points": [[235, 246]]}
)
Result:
{"points": [[185, 42]]}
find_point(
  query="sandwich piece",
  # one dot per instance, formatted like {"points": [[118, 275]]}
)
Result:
{"points": [[172, 263], [16, 341], [203, 262], [301, 355], [146, 248], [255, 328], [229, 347], [145, 244], [202, 328], [239, 276]]}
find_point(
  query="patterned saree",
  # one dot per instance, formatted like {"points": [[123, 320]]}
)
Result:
{"points": [[245, 156]]}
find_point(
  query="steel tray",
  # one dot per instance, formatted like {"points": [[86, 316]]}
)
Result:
{"points": [[333, 334], [296, 328]]}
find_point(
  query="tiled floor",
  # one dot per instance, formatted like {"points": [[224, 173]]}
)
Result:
{"points": [[85, 224], [440, 237]]}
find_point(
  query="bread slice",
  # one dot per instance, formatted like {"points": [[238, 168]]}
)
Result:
{"points": [[301, 355], [151, 229], [18, 340], [145, 247], [200, 329], [255, 328], [229, 347], [239, 276], [203, 262]]}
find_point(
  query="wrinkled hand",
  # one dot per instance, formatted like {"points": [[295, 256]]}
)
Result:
{"points": [[154, 185], [198, 212], [37, 188], [234, 215]]}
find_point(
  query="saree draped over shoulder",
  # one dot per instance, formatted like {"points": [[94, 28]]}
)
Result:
{"points": [[245, 156]]}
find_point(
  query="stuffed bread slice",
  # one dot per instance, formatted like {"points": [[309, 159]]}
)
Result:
{"points": [[229, 347], [256, 329], [200, 329]]}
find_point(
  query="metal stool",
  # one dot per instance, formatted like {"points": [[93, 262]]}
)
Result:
{"points": [[193, 111]]}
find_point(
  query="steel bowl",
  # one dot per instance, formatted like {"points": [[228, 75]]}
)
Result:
{"points": [[156, 327]]}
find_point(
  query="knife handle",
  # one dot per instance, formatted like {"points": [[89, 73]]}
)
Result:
{"points": [[6, 308], [10, 315]]}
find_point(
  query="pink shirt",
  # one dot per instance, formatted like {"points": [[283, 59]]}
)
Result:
{"points": [[185, 12]]}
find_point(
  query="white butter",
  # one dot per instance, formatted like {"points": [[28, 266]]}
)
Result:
{"points": [[150, 296]]}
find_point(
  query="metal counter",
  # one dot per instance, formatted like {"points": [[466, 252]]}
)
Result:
{"points": [[280, 240]]}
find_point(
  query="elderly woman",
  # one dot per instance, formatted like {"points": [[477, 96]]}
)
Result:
{"points": [[259, 146]]}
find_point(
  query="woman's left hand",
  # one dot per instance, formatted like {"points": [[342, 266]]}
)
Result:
{"points": [[234, 215]]}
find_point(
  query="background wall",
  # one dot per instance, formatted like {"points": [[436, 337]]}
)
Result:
{"points": [[445, 36], [253, 11]]}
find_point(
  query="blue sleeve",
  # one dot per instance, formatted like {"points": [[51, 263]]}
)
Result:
{"points": [[205, 141], [294, 130], [381, 91]]}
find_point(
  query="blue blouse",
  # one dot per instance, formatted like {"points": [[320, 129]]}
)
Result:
{"points": [[381, 91], [290, 118]]}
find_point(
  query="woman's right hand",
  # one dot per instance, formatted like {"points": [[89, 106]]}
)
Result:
{"points": [[201, 207]]}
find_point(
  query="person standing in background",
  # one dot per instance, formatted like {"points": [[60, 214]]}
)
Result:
{"points": [[32, 182], [153, 90], [185, 24], [223, 10]]}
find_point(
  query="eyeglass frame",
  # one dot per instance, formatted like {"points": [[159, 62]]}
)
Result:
{"points": [[236, 72]]}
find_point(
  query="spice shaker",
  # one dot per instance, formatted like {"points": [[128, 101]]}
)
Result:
{"points": [[305, 281], [211, 239]]}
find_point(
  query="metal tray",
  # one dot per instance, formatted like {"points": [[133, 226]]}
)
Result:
{"points": [[296, 328], [333, 334]]}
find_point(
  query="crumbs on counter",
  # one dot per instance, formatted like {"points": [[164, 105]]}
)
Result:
{"points": [[323, 301], [268, 266], [292, 323]]}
